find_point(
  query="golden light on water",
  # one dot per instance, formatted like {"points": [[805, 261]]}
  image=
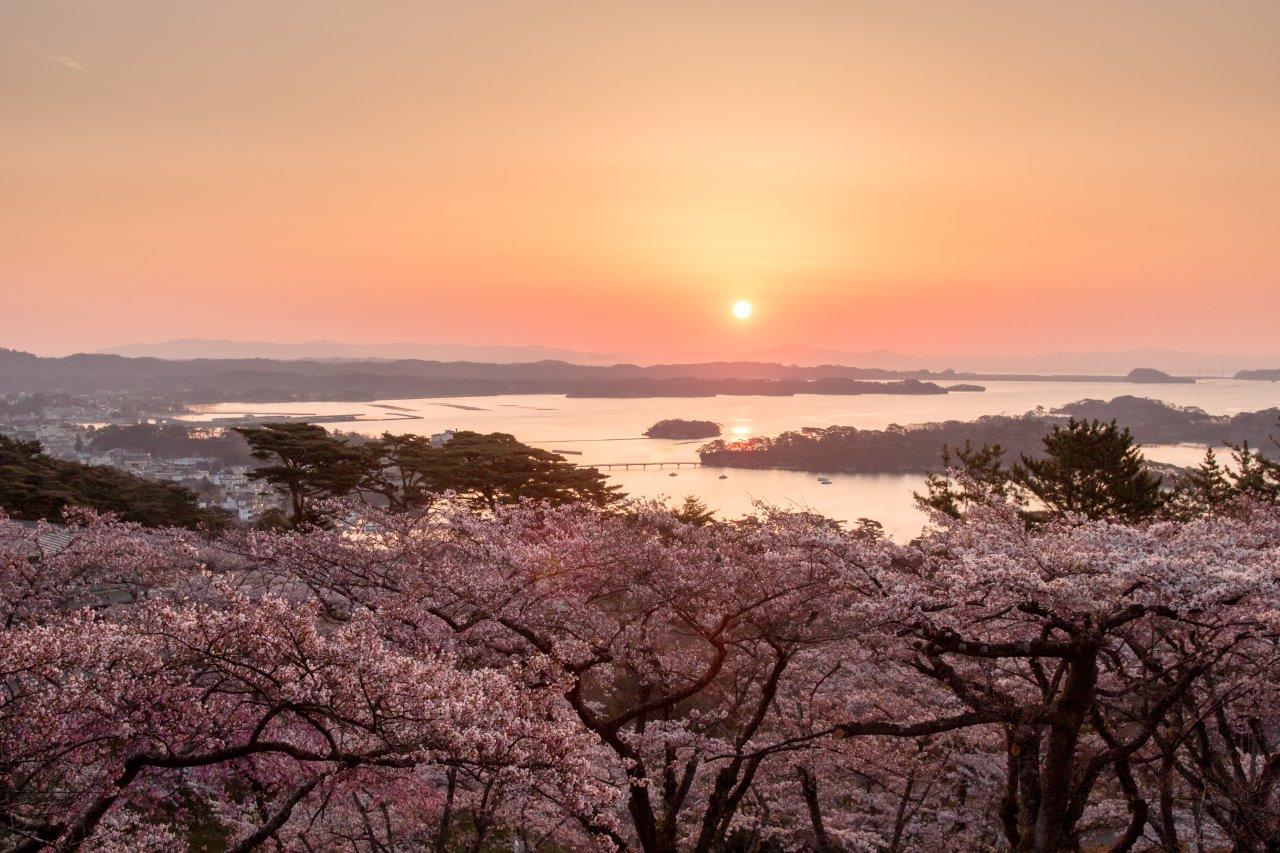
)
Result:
{"points": [[742, 309]]}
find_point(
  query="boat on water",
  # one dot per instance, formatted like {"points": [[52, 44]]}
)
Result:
{"points": [[824, 481], [724, 476], [673, 474]]}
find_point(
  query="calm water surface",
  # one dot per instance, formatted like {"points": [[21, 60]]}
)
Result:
{"points": [[606, 430]]}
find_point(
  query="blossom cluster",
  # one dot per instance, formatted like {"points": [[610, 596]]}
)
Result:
{"points": [[570, 677]]}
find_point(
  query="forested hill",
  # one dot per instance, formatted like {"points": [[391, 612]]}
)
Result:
{"points": [[260, 380], [1154, 422], [263, 380], [35, 485], [917, 448]]}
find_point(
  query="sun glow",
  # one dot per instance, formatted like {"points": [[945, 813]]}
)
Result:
{"points": [[742, 309]]}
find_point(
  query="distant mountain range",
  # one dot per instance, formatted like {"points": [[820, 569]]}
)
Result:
{"points": [[270, 380], [1179, 362], [211, 380], [184, 349]]}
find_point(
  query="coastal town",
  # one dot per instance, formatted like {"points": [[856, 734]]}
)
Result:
{"points": [[67, 426], [86, 429]]}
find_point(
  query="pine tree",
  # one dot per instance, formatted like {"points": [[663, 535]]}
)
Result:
{"points": [[1091, 468], [497, 469], [1202, 489], [970, 476], [307, 464], [694, 511], [1256, 476]]}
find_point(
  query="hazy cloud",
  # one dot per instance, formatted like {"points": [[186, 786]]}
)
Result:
{"points": [[75, 65]]}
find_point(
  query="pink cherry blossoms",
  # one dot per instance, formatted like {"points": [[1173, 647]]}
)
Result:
{"points": [[576, 678]]}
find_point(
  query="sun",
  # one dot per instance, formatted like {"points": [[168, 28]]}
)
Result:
{"points": [[742, 309]]}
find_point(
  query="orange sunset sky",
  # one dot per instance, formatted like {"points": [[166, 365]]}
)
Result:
{"points": [[963, 177]]}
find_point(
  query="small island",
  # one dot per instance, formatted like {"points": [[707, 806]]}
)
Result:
{"points": [[678, 428], [1150, 375], [964, 387]]}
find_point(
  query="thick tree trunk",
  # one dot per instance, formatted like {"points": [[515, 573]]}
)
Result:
{"points": [[1054, 828], [809, 785], [1043, 776]]}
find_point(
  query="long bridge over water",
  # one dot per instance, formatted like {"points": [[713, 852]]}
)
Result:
{"points": [[625, 465]]}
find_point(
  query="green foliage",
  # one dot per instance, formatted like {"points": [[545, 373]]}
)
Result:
{"points": [[1212, 487], [1255, 476], [172, 441], [694, 511], [867, 528], [1087, 467], [35, 485], [981, 477], [272, 519], [400, 469], [863, 451], [494, 469], [1200, 490], [1091, 468], [681, 428], [307, 464]]}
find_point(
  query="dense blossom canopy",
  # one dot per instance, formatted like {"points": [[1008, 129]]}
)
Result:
{"points": [[574, 677]]}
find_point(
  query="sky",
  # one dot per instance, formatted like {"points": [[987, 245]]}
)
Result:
{"points": [[960, 177]]}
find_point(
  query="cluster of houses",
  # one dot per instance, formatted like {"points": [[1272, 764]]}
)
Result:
{"points": [[227, 487], [216, 484], [63, 432]]}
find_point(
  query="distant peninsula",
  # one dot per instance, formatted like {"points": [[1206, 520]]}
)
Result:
{"points": [[679, 428], [689, 386], [1271, 374]]}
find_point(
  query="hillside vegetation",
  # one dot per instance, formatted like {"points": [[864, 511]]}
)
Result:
{"points": [[34, 485], [916, 448]]}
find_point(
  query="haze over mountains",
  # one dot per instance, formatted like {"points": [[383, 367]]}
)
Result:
{"points": [[265, 380], [1103, 362], [189, 348]]}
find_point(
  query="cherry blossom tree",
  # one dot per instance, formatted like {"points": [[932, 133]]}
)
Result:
{"points": [[574, 677], [676, 639], [110, 719], [93, 561], [717, 662], [1079, 639]]}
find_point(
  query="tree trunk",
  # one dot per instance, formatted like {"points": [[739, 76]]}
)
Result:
{"points": [[1054, 829]]}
